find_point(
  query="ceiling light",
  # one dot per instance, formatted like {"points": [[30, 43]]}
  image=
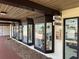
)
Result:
{"points": [[3, 13]]}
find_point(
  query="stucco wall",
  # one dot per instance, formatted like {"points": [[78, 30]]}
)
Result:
{"points": [[74, 12]]}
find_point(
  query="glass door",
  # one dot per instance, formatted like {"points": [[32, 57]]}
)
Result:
{"points": [[29, 36], [71, 38]]}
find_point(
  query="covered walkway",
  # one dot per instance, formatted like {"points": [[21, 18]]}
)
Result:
{"points": [[10, 49], [6, 51]]}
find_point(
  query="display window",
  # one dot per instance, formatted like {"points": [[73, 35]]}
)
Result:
{"points": [[44, 35], [14, 31], [25, 33], [20, 33], [48, 36], [17, 31], [71, 40], [40, 36], [28, 32]]}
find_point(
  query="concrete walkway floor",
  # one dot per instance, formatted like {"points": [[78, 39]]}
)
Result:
{"points": [[5, 51]]}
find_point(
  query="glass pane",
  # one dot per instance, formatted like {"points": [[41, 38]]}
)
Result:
{"points": [[20, 32], [39, 35], [30, 33], [17, 32], [14, 32], [71, 39], [48, 36], [25, 33]]}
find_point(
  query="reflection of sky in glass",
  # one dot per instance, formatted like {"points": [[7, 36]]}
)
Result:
{"points": [[71, 28]]}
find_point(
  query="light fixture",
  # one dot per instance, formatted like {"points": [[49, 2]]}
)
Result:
{"points": [[3, 13]]}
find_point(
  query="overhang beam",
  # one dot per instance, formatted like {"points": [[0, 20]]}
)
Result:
{"points": [[12, 20]]}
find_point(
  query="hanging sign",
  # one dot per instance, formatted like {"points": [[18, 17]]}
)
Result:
{"points": [[57, 20]]}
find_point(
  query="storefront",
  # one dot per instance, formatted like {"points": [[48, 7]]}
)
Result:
{"points": [[28, 31], [71, 38], [16, 31], [44, 34]]}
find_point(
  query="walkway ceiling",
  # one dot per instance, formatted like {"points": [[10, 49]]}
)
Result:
{"points": [[27, 4], [58, 4], [17, 9], [16, 13]]}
